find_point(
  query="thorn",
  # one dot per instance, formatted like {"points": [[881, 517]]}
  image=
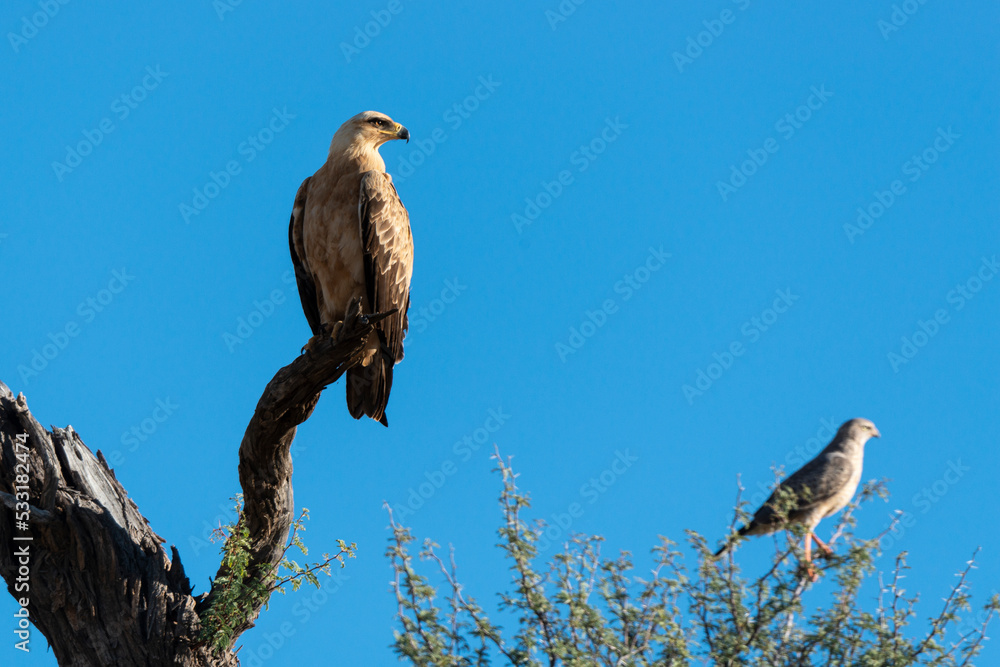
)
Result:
{"points": [[378, 317]]}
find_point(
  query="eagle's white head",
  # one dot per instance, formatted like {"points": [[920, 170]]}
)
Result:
{"points": [[360, 137]]}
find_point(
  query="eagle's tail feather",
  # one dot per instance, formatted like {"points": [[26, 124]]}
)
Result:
{"points": [[368, 389]]}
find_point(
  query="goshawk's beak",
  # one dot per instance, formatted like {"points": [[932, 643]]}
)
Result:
{"points": [[876, 434], [402, 132]]}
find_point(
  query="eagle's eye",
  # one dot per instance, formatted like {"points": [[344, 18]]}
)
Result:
{"points": [[377, 122]]}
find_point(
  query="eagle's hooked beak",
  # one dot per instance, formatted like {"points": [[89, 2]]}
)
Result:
{"points": [[876, 434], [402, 132]]}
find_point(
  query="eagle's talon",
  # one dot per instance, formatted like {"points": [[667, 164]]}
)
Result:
{"points": [[351, 316], [310, 346], [336, 331]]}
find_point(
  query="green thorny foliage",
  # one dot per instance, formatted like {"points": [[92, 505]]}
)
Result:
{"points": [[585, 610], [238, 593]]}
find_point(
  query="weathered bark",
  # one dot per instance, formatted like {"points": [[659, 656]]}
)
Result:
{"points": [[102, 589]]}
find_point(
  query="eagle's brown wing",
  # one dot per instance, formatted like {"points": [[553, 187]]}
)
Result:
{"points": [[388, 253], [387, 246], [296, 245]]}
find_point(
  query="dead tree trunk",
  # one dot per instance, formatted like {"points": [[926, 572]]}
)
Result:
{"points": [[78, 554]]}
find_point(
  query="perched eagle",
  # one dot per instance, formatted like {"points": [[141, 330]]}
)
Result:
{"points": [[821, 487], [350, 238]]}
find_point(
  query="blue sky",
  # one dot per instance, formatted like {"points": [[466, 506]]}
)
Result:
{"points": [[605, 209]]}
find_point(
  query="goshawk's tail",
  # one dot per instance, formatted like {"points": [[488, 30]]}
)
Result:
{"points": [[731, 540]]}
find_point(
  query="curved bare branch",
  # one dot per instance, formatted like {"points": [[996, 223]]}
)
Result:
{"points": [[97, 580]]}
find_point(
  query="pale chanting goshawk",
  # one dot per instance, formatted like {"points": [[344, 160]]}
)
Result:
{"points": [[350, 239], [822, 487]]}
